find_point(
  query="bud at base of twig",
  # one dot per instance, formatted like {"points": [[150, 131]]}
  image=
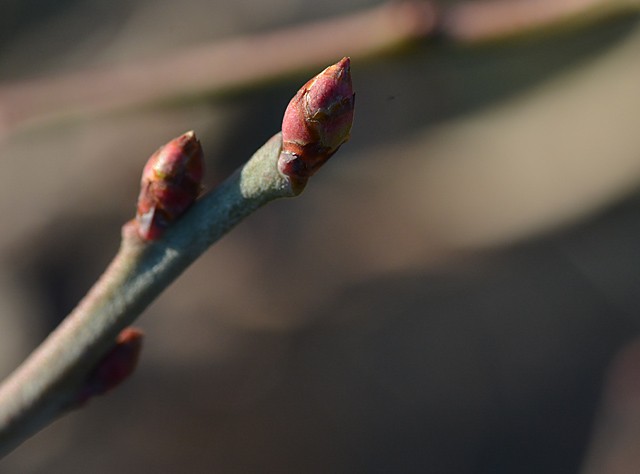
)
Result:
{"points": [[170, 183], [116, 366], [317, 121]]}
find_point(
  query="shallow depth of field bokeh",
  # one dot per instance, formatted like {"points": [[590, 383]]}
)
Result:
{"points": [[448, 295]]}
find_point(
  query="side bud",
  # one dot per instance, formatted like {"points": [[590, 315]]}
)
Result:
{"points": [[317, 121], [171, 182], [117, 365]]}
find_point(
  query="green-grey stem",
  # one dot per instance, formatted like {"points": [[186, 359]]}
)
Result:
{"points": [[45, 385]]}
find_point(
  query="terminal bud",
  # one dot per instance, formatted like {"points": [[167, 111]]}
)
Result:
{"points": [[317, 121]]}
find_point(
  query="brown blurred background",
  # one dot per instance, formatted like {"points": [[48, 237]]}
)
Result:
{"points": [[446, 296]]}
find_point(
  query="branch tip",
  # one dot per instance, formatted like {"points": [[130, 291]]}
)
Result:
{"points": [[317, 121]]}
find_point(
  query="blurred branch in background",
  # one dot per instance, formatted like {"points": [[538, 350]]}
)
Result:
{"points": [[615, 441], [244, 62]]}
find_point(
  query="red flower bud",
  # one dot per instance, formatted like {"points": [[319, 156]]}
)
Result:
{"points": [[317, 121], [118, 364], [170, 184]]}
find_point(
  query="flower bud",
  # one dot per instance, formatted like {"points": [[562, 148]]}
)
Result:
{"points": [[170, 184], [118, 364], [317, 121]]}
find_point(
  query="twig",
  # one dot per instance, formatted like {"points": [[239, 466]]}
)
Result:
{"points": [[41, 389], [53, 379]]}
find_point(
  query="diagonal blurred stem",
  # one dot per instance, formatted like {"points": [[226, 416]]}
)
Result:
{"points": [[244, 62], [231, 65], [495, 20], [45, 385]]}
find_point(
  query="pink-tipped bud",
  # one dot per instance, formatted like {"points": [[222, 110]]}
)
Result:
{"points": [[317, 121], [171, 182], [117, 365]]}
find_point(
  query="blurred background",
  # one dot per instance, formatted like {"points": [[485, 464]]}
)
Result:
{"points": [[455, 292]]}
